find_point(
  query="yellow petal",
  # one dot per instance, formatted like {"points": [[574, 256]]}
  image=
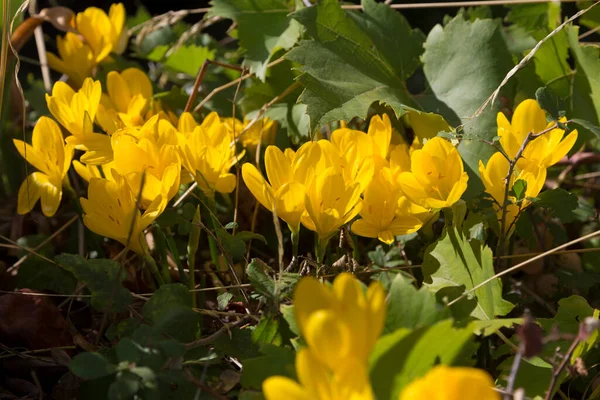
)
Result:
{"points": [[329, 338], [528, 118], [282, 388], [562, 149], [380, 130], [31, 191], [225, 183], [310, 296], [279, 170], [257, 185], [118, 90]]}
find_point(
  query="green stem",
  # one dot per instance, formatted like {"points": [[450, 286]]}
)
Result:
{"points": [[154, 269], [93, 238], [320, 249], [212, 244], [193, 243]]}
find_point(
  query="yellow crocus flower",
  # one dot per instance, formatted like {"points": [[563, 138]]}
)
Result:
{"points": [[130, 93], [158, 166], [547, 149], [380, 216], [339, 322], [288, 176], [350, 381], [88, 171], [186, 124], [49, 154], [263, 132], [111, 210], [76, 111], [437, 178], [103, 33], [208, 153], [75, 58], [493, 176], [330, 203], [452, 383]]}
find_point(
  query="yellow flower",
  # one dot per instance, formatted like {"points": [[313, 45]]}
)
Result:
{"points": [[452, 383], [208, 153], [349, 382], [52, 158], [76, 111], [493, 176], [381, 217], [88, 171], [111, 210], [130, 93], [186, 124], [75, 58], [288, 176], [437, 178], [330, 203], [103, 33], [342, 322], [546, 149], [263, 131], [158, 166]]}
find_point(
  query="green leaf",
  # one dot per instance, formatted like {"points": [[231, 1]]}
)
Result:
{"points": [[519, 188], [267, 331], [586, 85], [287, 310], [550, 102], [237, 344], [411, 308], [91, 366], [188, 59], [261, 282], [489, 327], [587, 125], [247, 236], [402, 356], [102, 277], [170, 311], [560, 202], [223, 300], [233, 245], [264, 27], [354, 60], [464, 62], [454, 262], [273, 361]]}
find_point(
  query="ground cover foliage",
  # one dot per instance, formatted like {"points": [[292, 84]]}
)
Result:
{"points": [[300, 200]]}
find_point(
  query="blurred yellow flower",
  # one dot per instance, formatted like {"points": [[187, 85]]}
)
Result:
{"points": [[263, 131], [452, 383], [76, 111], [380, 216], [349, 381], [103, 33], [129, 93], [342, 322], [529, 117], [493, 176], [158, 166], [75, 58], [288, 176], [330, 203], [437, 178], [49, 154], [208, 153], [111, 211]]}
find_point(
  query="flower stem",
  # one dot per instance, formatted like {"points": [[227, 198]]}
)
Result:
{"points": [[192, 247], [320, 249], [154, 269], [212, 244]]}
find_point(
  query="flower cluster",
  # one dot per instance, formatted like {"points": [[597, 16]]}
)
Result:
{"points": [[138, 161], [326, 184], [532, 145], [340, 325], [94, 37]]}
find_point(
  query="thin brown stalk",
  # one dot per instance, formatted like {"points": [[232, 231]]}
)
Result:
{"points": [[458, 4], [232, 83]]}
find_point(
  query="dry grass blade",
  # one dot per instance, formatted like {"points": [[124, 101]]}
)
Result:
{"points": [[526, 59], [27, 249], [520, 265]]}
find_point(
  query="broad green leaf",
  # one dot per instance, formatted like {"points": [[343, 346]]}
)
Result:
{"points": [[550, 102], [586, 85], [102, 277], [261, 282], [454, 262], [402, 356], [237, 344], [267, 331], [560, 202], [489, 327], [273, 361], [411, 308], [264, 27], [354, 60], [91, 366], [464, 62], [170, 312], [188, 59]]}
